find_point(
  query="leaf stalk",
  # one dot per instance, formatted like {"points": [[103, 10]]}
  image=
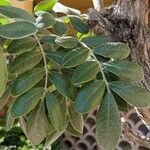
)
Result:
{"points": [[45, 64]]}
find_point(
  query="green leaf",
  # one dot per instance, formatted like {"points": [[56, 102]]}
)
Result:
{"points": [[60, 27], [134, 95], [23, 124], [45, 5], [26, 102], [5, 3], [56, 56], [67, 41], [3, 73], [94, 41], [72, 131], [122, 105], [90, 96], [79, 24], [125, 69], [36, 127], [85, 72], [49, 39], [62, 85], [22, 45], [5, 97], [108, 123], [131, 93], [25, 61], [50, 127], [113, 50], [75, 119], [3, 21], [16, 13], [26, 81], [9, 120], [50, 139], [75, 57], [45, 20], [18, 30], [56, 112]]}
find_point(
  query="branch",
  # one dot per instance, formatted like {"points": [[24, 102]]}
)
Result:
{"points": [[98, 22], [98, 5]]}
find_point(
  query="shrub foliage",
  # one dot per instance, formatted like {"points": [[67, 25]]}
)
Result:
{"points": [[53, 77]]}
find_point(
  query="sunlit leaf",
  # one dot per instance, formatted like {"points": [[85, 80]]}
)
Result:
{"points": [[45, 5]]}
